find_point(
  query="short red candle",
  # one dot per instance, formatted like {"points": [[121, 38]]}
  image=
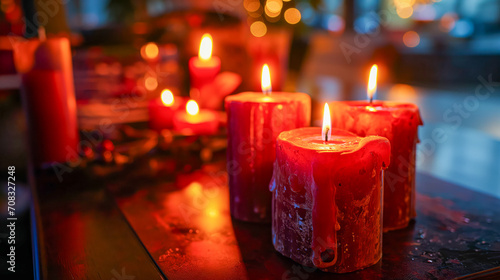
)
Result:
{"points": [[327, 198], [399, 123], [204, 68], [194, 121], [162, 110], [49, 98]]}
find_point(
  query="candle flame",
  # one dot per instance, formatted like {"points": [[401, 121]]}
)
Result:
{"points": [[372, 82], [192, 108], [326, 132], [205, 52], [265, 81], [167, 97]]}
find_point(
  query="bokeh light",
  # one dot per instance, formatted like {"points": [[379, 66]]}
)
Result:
{"points": [[150, 51], [258, 29], [192, 108], [292, 16], [150, 83], [251, 6], [167, 97], [411, 39], [274, 6]]}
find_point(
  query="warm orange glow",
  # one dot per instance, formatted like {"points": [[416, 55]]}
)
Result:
{"points": [[205, 52], [150, 51], [251, 5], [151, 83], [292, 16], [411, 39], [192, 108], [274, 6], [258, 29], [265, 81], [372, 82], [326, 132], [167, 97]]}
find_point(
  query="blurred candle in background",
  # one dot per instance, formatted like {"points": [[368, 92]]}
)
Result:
{"points": [[194, 121], [254, 120], [204, 68], [48, 98], [162, 110], [399, 123]]}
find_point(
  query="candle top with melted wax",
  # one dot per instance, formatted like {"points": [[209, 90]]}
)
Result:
{"points": [[381, 106]]}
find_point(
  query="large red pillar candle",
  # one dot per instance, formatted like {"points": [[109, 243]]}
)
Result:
{"points": [[49, 98], [254, 121], [399, 123], [204, 68], [327, 198]]}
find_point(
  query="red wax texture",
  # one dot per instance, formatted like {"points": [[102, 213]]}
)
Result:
{"points": [[399, 123], [160, 115], [204, 123], [202, 73], [327, 198], [49, 99], [254, 121]]}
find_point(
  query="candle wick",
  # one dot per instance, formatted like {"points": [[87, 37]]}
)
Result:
{"points": [[371, 99], [326, 133]]}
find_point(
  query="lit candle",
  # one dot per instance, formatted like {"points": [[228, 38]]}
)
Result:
{"points": [[48, 98], [254, 121], [399, 123], [204, 68], [162, 110], [327, 197], [194, 121]]}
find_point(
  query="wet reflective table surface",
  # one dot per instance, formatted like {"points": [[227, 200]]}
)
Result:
{"points": [[152, 223]]}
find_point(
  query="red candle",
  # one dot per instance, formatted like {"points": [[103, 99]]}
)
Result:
{"points": [[254, 121], [399, 123], [162, 110], [204, 68], [327, 198], [48, 98], [195, 121]]}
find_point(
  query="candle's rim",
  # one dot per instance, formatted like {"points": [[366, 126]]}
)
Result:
{"points": [[273, 97], [380, 105]]}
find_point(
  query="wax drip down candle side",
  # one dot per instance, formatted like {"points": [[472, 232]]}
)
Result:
{"points": [[254, 121], [399, 123], [327, 198]]}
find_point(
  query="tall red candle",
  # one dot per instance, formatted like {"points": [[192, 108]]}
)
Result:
{"points": [[399, 123], [254, 121], [48, 98], [204, 68], [327, 198]]}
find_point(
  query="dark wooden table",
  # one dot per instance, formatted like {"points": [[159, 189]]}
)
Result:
{"points": [[149, 222]]}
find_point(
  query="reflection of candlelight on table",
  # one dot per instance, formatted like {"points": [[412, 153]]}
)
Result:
{"points": [[327, 197], [204, 68], [196, 121], [399, 123]]}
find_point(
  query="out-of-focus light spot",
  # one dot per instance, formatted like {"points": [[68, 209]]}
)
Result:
{"points": [[335, 23], [258, 29], [194, 189], [102, 69], [150, 51], [274, 6], [404, 11], [448, 21], [307, 13], [292, 16], [192, 108], [271, 14], [167, 97], [150, 83], [212, 212], [411, 39], [251, 5], [402, 91], [365, 25], [463, 28], [425, 13]]}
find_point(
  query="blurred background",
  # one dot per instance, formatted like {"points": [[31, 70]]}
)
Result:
{"points": [[440, 54]]}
